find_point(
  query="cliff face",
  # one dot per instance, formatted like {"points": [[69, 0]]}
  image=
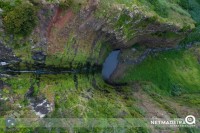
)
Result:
{"points": [[54, 71], [137, 23], [88, 30], [132, 27]]}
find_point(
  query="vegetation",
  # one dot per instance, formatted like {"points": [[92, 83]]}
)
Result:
{"points": [[65, 4], [165, 11], [21, 20], [159, 80], [87, 101], [159, 8], [137, 15], [184, 4], [194, 10], [82, 55], [174, 73], [7, 6]]}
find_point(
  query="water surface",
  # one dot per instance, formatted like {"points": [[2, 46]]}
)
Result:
{"points": [[110, 64]]}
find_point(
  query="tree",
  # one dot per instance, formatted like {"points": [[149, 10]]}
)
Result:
{"points": [[21, 20]]}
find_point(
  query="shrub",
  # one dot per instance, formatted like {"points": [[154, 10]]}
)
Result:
{"points": [[184, 4], [160, 9], [198, 1], [176, 90], [7, 6], [21, 20], [64, 4], [36, 2]]}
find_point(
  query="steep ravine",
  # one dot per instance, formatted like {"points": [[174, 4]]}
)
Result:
{"points": [[80, 61]]}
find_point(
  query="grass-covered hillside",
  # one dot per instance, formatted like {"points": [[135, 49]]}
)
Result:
{"points": [[173, 73], [90, 99]]}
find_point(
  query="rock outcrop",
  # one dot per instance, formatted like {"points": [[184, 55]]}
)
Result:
{"points": [[86, 35]]}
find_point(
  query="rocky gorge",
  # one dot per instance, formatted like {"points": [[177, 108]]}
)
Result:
{"points": [[96, 58]]}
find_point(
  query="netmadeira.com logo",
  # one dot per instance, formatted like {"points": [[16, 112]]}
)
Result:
{"points": [[188, 121]]}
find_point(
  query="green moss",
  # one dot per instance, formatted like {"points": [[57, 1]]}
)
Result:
{"points": [[104, 52], [24, 52], [191, 100], [167, 34], [166, 70]]}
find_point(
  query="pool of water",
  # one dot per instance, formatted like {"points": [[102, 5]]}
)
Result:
{"points": [[110, 64]]}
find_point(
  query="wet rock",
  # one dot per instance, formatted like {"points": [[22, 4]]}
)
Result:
{"points": [[4, 75], [41, 107], [6, 55], [3, 63], [39, 56]]}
